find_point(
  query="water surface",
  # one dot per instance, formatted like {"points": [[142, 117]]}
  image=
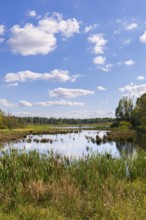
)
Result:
{"points": [[74, 144]]}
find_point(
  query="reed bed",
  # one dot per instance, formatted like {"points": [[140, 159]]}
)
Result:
{"points": [[49, 186]]}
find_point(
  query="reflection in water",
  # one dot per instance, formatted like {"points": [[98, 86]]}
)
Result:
{"points": [[127, 149], [141, 140], [76, 144]]}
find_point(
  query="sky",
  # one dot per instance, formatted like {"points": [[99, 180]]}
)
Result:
{"points": [[72, 59]]}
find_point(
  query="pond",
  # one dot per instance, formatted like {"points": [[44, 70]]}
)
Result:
{"points": [[76, 144]]}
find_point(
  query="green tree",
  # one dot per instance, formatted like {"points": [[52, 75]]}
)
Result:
{"points": [[124, 109], [139, 112]]}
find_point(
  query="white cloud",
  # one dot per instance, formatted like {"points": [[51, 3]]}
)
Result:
{"points": [[90, 28], [131, 26], [129, 62], [140, 78], [87, 114], [32, 13], [12, 84], [31, 40], [118, 31], [134, 90], [54, 75], [99, 60], [69, 93], [104, 113], [59, 103], [143, 38], [101, 88], [71, 114], [2, 29], [1, 40], [99, 42], [5, 103], [128, 41], [41, 39], [25, 103], [107, 67]]}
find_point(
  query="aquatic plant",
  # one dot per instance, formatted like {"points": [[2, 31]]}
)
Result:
{"points": [[44, 186]]}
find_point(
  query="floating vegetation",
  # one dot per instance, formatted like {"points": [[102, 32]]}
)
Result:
{"points": [[29, 140]]}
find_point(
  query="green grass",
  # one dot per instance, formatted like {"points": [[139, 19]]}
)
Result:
{"points": [[34, 186]]}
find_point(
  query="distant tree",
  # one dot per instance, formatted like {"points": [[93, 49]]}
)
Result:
{"points": [[124, 109]]}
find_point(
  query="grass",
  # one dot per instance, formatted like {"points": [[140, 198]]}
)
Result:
{"points": [[120, 135], [41, 187]]}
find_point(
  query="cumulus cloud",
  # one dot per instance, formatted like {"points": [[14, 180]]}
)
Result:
{"points": [[2, 29], [58, 103], [41, 39], [31, 40], [143, 38], [129, 62], [131, 26], [5, 103], [69, 93], [32, 13], [140, 78], [128, 41], [134, 90], [54, 75], [99, 43], [101, 88], [99, 60], [107, 67], [24, 103], [90, 28]]}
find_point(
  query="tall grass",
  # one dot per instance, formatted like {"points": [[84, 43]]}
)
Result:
{"points": [[34, 186]]}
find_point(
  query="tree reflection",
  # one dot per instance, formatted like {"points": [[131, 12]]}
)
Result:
{"points": [[141, 140], [126, 149]]}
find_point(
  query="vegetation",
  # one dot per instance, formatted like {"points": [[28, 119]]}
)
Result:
{"points": [[124, 109], [129, 116], [34, 186], [139, 113], [11, 122], [50, 186]]}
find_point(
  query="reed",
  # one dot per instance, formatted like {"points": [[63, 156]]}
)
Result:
{"points": [[48, 186]]}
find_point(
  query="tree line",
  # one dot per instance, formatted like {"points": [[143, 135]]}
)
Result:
{"points": [[9, 121]]}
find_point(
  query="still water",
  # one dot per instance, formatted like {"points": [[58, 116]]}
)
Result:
{"points": [[74, 144]]}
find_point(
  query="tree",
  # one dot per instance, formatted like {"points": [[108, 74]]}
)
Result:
{"points": [[139, 112], [124, 109]]}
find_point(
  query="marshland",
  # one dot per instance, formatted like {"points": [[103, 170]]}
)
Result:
{"points": [[73, 171]]}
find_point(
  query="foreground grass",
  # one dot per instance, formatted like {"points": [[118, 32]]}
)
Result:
{"points": [[34, 186]]}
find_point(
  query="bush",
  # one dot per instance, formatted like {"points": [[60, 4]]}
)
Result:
{"points": [[125, 125]]}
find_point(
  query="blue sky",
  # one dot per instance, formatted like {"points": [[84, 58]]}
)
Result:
{"points": [[71, 58]]}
